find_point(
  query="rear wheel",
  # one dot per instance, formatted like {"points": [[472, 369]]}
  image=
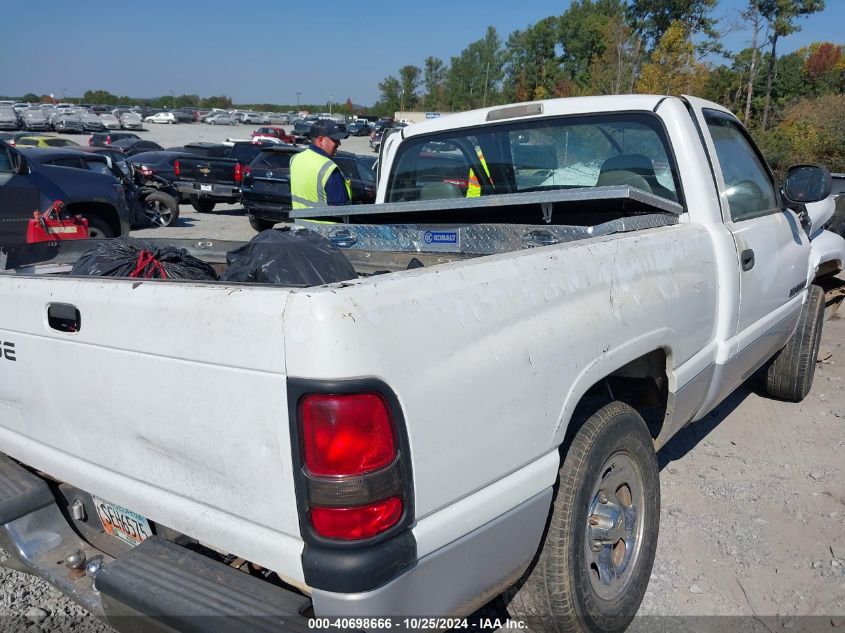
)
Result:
{"points": [[161, 209], [202, 205], [261, 225], [98, 228], [592, 570], [790, 375]]}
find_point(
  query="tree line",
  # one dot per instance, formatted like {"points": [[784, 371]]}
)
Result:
{"points": [[792, 103]]}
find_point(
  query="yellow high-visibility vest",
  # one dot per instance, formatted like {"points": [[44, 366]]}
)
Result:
{"points": [[474, 187]]}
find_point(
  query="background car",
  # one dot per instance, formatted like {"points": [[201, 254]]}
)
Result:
{"points": [[375, 140], [131, 121], [8, 118], [161, 117], [359, 128], [158, 163], [34, 119], [131, 146], [110, 121], [45, 141], [185, 115], [91, 122], [252, 117], [273, 132], [220, 119], [107, 138], [12, 137], [67, 120]]}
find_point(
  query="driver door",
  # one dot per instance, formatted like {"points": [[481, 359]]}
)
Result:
{"points": [[772, 248]]}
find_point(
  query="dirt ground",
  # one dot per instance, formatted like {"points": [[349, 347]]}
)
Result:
{"points": [[753, 509]]}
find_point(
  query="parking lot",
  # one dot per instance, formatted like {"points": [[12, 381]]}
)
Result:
{"points": [[227, 221]]}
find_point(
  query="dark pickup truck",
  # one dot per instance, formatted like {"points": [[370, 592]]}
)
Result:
{"points": [[266, 184], [212, 179]]}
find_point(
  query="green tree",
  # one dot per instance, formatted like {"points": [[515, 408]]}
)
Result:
{"points": [[583, 35], [31, 97], [391, 91], [409, 79], [474, 76], [532, 68], [221, 101], [673, 68], [652, 18], [614, 70], [99, 97], [434, 74], [781, 16]]}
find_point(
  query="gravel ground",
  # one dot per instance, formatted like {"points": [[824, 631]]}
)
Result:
{"points": [[753, 495]]}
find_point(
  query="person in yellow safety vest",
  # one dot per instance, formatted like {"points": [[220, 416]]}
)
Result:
{"points": [[315, 179], [474, 187]]}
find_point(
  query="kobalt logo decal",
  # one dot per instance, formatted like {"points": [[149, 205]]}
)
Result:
{"points": [[7, 351], [440, 237]]}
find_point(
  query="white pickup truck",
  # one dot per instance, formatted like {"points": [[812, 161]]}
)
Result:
{"points": [[546, 293]]}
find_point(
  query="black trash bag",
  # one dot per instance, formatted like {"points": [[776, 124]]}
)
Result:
{"points": [[288, 258], [130, 257]]}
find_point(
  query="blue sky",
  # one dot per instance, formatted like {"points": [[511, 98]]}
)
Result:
{"points": [[267, 51]]}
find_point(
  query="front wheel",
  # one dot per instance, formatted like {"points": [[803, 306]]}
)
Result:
{"points": [[98, 228], [161, 209], [592, 570], [790, 374]]}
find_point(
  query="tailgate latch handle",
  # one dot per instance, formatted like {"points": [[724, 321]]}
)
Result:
{"points": [[64, 317]]}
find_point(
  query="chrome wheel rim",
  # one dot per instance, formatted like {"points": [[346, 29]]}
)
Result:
{"points": [[158, 213], [614, 526]]}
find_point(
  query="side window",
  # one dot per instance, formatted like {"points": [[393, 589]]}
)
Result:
{"points": [[67, 162], [748, 186], [5, 160]]}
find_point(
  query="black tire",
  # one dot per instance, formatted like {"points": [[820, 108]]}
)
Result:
{"points": [[261, 225], [98, 228], [161, 209], [202, 205], [567, 587], [790, 375]]}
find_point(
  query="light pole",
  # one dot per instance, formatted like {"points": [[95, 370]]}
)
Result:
{"points": [[331, 97], [297, 101], [173, 94], [63, 94]]}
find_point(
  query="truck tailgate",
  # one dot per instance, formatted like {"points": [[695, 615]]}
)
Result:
{"points": [[210, 170], [170, 400]]}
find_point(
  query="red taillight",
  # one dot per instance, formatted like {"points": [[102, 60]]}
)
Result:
{"points": [[238, 172], [460, 182], [108, 140], [346, 434], [177, 168], [357, 523], [246, 171]]}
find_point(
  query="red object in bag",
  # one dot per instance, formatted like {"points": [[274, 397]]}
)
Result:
{"points": [[50, 226]]}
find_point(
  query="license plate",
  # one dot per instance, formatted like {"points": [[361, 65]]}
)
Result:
{"points": [[205, 187], [130, 527]]}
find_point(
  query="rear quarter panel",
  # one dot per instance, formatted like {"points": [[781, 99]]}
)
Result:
{"points": [[489, 357]]}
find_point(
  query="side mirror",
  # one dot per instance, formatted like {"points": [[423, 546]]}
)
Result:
{"points": [[807, 183]]}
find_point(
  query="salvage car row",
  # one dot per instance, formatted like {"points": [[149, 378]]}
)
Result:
{"points": [[135, 183]]}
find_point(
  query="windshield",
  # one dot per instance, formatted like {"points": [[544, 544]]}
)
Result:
{"points": [[536, 155]]}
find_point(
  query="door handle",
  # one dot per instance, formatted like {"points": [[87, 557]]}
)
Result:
{"points": [[64, 317], [746, 258]]}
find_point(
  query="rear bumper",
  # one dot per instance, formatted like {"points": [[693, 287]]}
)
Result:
{"points": [[267, 210], [176, 588], [214, 190]]}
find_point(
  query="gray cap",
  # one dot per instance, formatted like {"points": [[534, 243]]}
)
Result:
{"points": [[329, 128]]}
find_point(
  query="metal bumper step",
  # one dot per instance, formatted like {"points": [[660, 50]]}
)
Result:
{"points": [[21, 492], [185, 591]]}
